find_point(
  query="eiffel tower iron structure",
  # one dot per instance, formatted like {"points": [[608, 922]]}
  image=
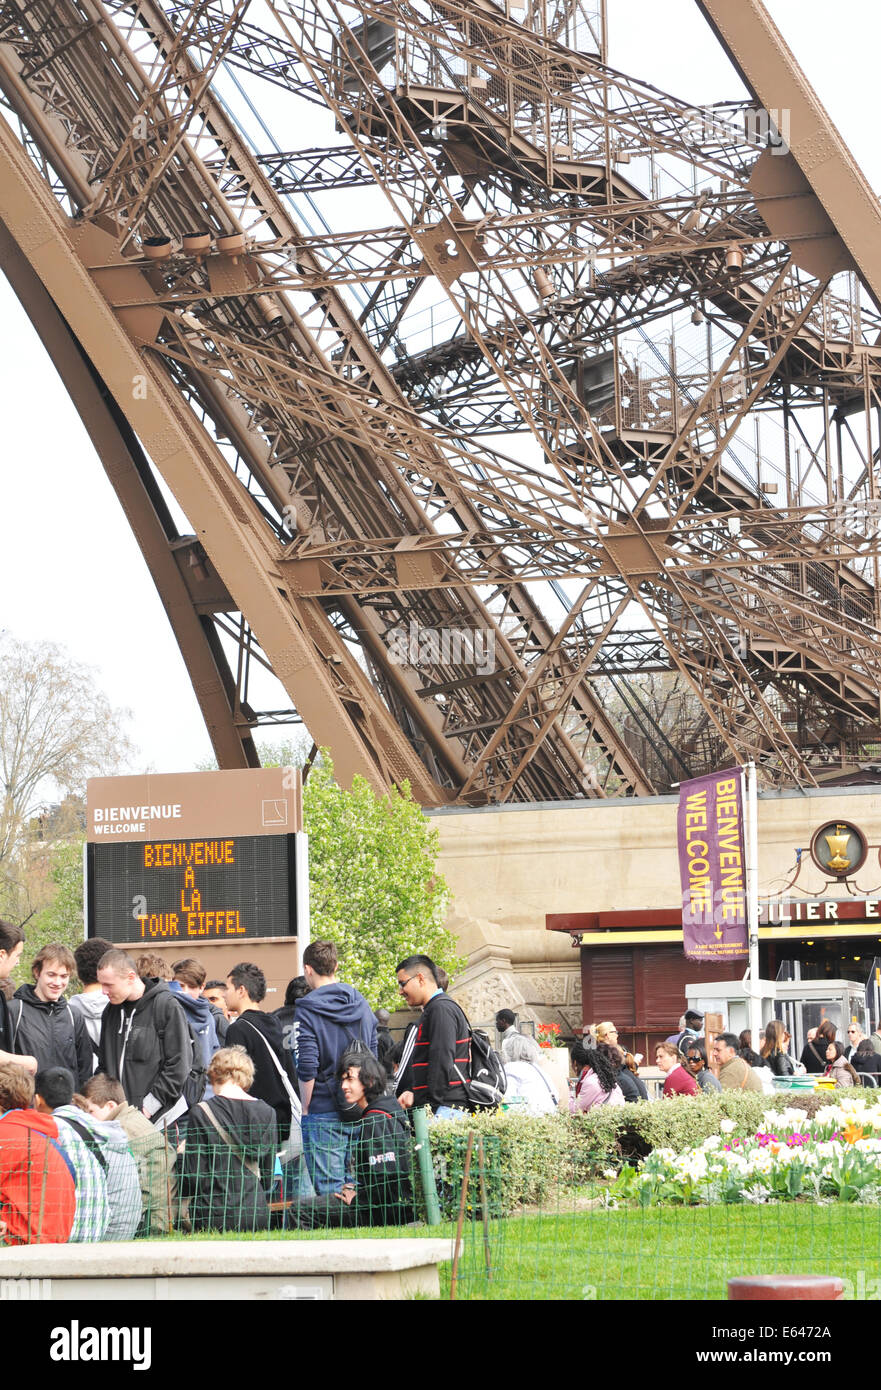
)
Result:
{"points": [[492, 381]]}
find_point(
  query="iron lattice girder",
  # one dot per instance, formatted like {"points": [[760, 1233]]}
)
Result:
{"points": [[164, 115], [313, 171], [454, 377], [386, 109], [763, 539], [359, 410], [509, 241], [164, 551], [309, 412], [731, 577], [615, 758], [314, 275], [756, 47], [391, 434], [531, 69]]}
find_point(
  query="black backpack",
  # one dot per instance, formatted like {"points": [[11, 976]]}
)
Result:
{"points": [[487, 1080], [197, 1079]]}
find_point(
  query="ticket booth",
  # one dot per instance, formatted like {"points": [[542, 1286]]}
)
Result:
{"points": [[801, 1004], [731, 999], [805, 1004]]}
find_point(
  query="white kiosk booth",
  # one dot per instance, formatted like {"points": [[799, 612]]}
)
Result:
{"points": [[730, 998], [801, 1004]]}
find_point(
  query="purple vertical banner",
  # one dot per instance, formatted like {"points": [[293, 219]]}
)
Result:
{"points": [[712, 867]]}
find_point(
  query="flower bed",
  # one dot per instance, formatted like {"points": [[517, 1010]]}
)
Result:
{"points": [[834, 1154], [629, 1132]]}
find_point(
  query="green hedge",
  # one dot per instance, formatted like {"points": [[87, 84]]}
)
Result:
{"points": [[537, 1156], [533, 1155], [631, 1131]]}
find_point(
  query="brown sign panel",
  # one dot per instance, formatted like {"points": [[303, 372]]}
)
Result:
{"points": [[194, 805], [188, 859]]}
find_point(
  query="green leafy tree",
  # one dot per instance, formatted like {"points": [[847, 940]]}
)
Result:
{"points": [[62, 918], [374, 886]]}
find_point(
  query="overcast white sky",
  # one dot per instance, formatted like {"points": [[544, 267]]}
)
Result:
{"points": [[70, 571]]}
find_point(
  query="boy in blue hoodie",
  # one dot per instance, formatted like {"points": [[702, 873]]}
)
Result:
{"points": [[187, 985], [327, 1022]]}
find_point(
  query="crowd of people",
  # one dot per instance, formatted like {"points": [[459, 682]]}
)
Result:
{"points": [[607, 1075], [156, 1098]]}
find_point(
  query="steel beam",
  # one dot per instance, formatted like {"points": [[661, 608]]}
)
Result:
{"points": [[767, 65], [224, 515], [493, 138]]}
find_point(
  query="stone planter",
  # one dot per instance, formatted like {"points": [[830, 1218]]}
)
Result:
{"points": [[555, 1061]]}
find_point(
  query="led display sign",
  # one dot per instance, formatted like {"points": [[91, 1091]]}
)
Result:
{"points": [[192, 858], [187, 890]]}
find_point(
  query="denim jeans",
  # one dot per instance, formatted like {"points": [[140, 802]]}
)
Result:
{"points": [[326, 1142], [450, 1112]]}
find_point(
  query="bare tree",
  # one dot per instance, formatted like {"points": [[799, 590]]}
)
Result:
{"points": [[56, 730], [663, 723]]}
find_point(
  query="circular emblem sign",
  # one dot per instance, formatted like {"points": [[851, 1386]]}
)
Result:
{"points": [[839, 848]]}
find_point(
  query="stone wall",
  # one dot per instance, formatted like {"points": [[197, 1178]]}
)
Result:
{"points": [[510, 866]]}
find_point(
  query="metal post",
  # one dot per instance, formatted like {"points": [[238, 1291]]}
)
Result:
{"points": [[454, 1278], [752, 900], [426, 1170], [484, 1204], [301, 864]]}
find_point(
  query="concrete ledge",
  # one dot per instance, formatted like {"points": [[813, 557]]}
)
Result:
{"points": [[263, 1269]]}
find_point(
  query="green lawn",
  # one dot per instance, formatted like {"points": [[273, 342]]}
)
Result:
{"points": [[666, 1253], [416, 1231], [656, 1253]]}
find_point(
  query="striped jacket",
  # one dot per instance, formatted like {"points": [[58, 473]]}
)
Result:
{"points": [[439, 1065], [92, 1207]]}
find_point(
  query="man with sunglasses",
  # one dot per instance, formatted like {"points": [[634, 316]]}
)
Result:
{"points": [[436, 1059], [696, 1066], [855, 1036]]}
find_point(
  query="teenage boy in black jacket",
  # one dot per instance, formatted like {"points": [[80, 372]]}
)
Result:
{"points": [[43, 1024], [439, 1064], [145, 1043], [262, 1038], [381, 1192]]}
